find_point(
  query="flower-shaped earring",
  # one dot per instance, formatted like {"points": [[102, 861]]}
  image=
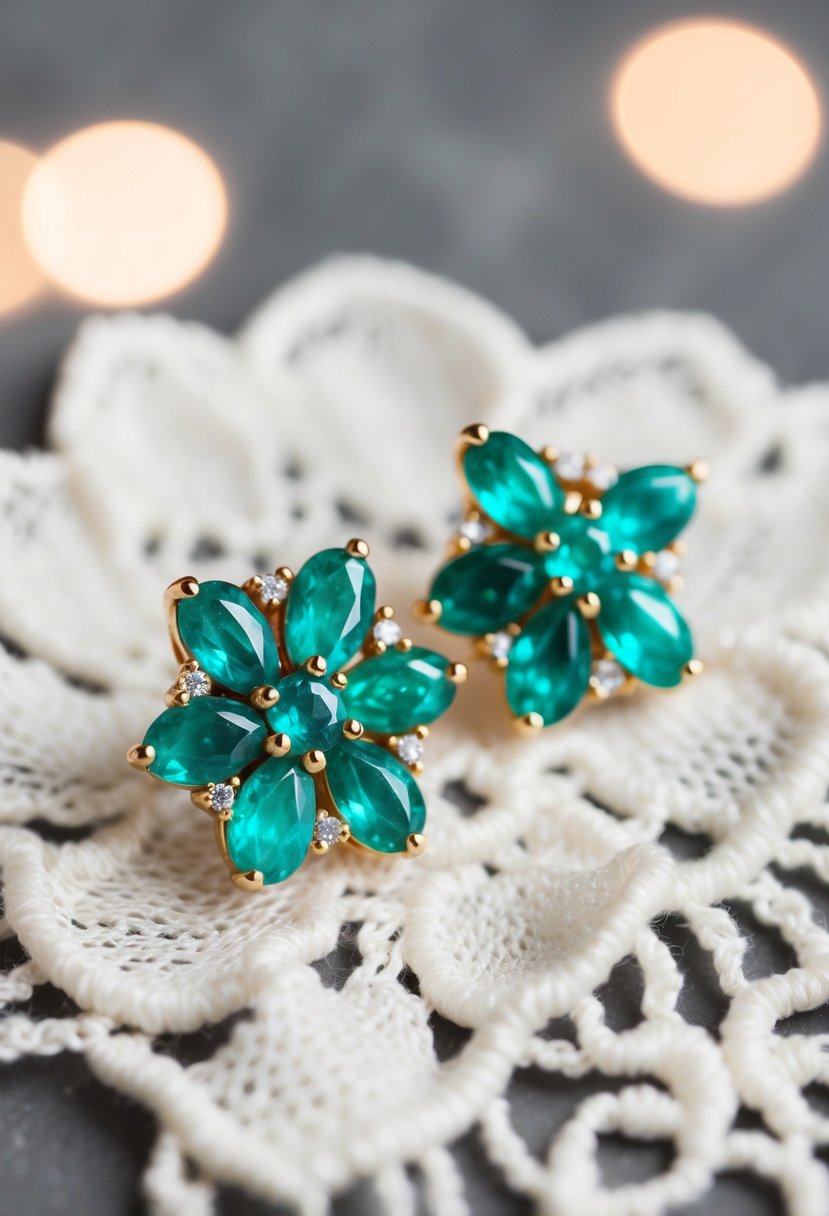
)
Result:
{"points": [[285, 756], [562, 569]]}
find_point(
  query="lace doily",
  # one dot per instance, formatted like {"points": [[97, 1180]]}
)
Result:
{"points": [[172, 451]]}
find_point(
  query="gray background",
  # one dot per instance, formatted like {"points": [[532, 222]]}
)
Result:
{"points": [[470, 138]]}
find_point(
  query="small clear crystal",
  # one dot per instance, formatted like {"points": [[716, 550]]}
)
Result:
{"points": [[197, 683], [274, 587], [665, 566], [410, 749], [569, 466], [327, 829], [602, 476], [608, 674], [387, 631], [501, 645], [221, 797], [474, 530]]}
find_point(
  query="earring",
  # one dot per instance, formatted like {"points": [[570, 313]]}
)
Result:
{"points": [[298, 716], [562, 570]]}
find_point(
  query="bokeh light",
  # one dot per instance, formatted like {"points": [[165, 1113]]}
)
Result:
{"points": [[20, 278], [124, 212], [716, 111]]}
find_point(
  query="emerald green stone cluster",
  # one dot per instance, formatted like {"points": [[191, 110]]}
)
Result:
{"points": [[563, 570], [298, 714]]}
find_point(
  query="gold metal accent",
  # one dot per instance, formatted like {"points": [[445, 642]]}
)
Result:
{"points": [[474, 436], [698, 470], [549, 453], [253, 880], [415, 844], [182, 589], [589, 605], [694, 667], [176, 698], [278, 744], [352, 729], [572, 502], [357, 548], [141, 756], [627, 560], [316, 665], [547, 542], [530, 724], [339, 680], [422, 732], [264, 697], [428, 612], [457, 673], [591, 508], [561, 584], [320, 846], [314, 760], [404, 645]]}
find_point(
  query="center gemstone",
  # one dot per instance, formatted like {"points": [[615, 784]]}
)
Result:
{"points": [[584, 554], [309, 711]]}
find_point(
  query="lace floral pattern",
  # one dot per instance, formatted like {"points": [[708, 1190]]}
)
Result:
{"points": [[550, 860]]}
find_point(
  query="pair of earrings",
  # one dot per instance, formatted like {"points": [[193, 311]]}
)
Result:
{"points": [[300, 711]]}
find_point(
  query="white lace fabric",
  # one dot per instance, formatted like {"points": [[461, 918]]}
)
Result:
{"points": [[174, 451]]}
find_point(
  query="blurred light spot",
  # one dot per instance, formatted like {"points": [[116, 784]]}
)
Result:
{"points": [[124, 212], [716, 111], [20, 278]]}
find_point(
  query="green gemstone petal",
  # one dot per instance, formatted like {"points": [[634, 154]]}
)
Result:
{"points": [[330, 608], [309, 711], [376, 795], [398, 690], [549, 664], [512, 484], [488, 587], [585, 553], [648, 507], [644, 629], [229, 636], [210, 739], [273, 820]]}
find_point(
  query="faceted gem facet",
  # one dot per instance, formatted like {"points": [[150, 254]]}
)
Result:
{"points": [[488, 588], [229, 636], [376, 795], [644, 630], [399, 689], [549, 665], [512, 484], [309, 711], [648, 507], [210, 739], [273, 820], [584, 554], [330, 608]]}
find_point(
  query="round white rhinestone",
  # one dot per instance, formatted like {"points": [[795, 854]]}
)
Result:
{"points": [[474, 530], [410, 749], [501, 645], [197, 683], [608, 674], [274, 587], [387, 631], [569, 466], [602, 476], [665, 566], [221, 797], [327, 829]]}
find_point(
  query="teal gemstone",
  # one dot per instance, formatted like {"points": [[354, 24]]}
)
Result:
{"points": [[513, 485], [488, 587], [273, 819], [309, 711], [229, 636], [643, 628], [648, 507], [330, 608], [210, 739], [376, 795], [549, 664], [585, 554], [398, 690]]}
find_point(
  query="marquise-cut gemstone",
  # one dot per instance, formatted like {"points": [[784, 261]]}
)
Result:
{"points": [[584, 554], [330, 608], [376, 795], [648, 507], [549, 664], [229, 636], [512, 484], [641, 626], [488, 587], [309, 711], [273, 820], [208, 740], [398, 690]]}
